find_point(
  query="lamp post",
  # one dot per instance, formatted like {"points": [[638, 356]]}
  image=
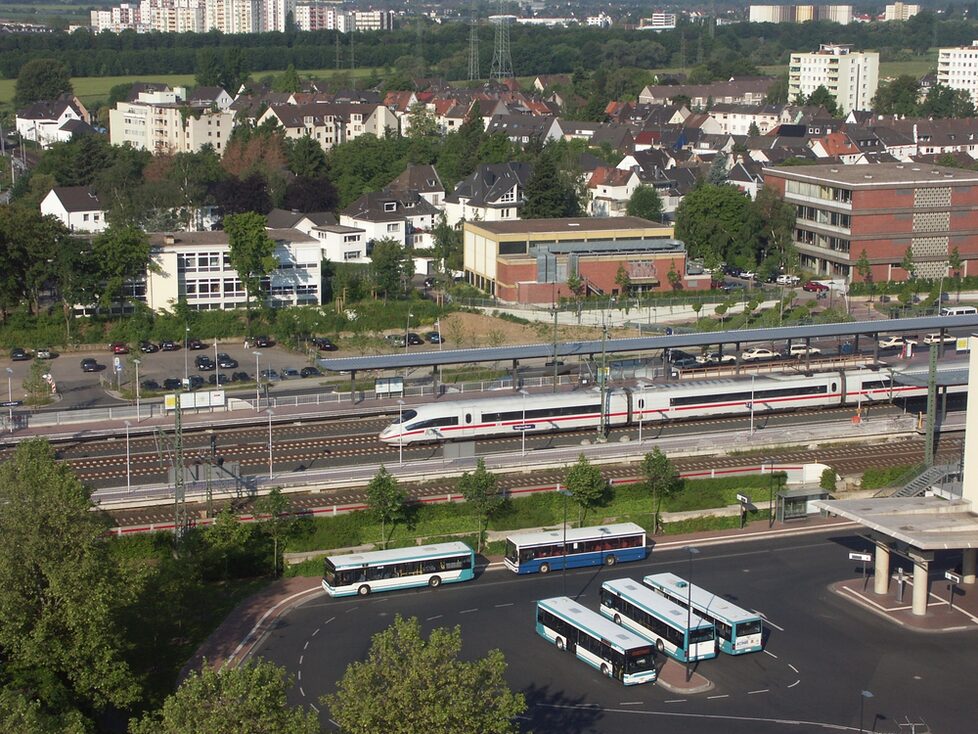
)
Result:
{"points": [[407, 328], [257, 383], [524, 393], [10, 399], [400, 438], [752, 405], [270, 414], [136, 363], [863, 695], [692, 551], [186, 365], [563, 573], [438, 325], [128, 469]]}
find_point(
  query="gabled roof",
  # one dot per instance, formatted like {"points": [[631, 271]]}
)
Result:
{"points": [[77, 127], [400, 101], [139, 87], [47, 110], [520, 125], [205, 94], [286, 219], [489, 182], [77, 198], [420, 178], [371, 207], [837, 144]]}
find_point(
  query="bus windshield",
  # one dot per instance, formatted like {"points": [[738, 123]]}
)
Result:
{"points": [[330, 573], [749, 628], [639, 660], [703, 634], [511, 551]]}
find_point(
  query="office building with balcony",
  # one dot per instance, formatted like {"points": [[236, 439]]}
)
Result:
{"points": [[957, 68], [850, 76], [883, 210], [162, 120]]}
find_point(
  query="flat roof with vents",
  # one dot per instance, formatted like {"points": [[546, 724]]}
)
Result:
{"points": [[888, 174]]}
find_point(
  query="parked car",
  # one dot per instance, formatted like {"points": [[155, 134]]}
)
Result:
{"points": [[119, 348], [433, 337], [323, 344], [149, 385], [43, 353], [148, 347], [263, 341], [218, 378], [226, 361], [395, 340], [800, 350], [731, 285], [938, 338], [172, 383], [196, 344], [268, 376], [19, 355], [757, 354], [895, 342], [290, 373], [430, 282], [89, 365], [813, 287], [716, 358], [196, 381], [748, 275], [787, 280], [310, 372], [204, 363], [167, 346], [414, 340], [240, 377]]}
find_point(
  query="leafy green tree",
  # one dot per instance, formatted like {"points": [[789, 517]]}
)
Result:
{"points": [[865, 271], [447, 245], [208, 68], [623, 280], [721, 311], [752, 130], [907, 263], [777, 224], [954, 265], [586, 485], [37, 388], [18, 713], [33, 242], [548, 191], [410, 684], [898, 96], [251, 251], [392, 266], [718, 223], [718, 170], [662, 480], [481, 491], [673, 276], [121, 254], [822, 97], [226, 537], [306, 157], [288, 81], [60, 590], [386, 501], [645, 203], [942, 102], [277, 519], [42, 79], [245, 699]]}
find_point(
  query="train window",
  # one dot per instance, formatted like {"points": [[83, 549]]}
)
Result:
{"points": [[834, 387], [405, 416], [641, 403], [435, 423], [468, 416]]}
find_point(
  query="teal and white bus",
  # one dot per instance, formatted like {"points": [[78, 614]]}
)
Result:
{"points": [[600, 643], [399, 568], [738, 631], [656, 618]]}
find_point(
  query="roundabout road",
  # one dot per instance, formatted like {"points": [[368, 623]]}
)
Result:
{"points": [[820, 651]]}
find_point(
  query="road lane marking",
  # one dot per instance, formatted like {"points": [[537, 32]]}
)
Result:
{"points": [[763, 616], [717, 717], [439, 616], [793, 667], [768, 652], [302, 692], [723, 695], [469, 611], [306, 646], [794, 684], [500, 606], [631, 703], [302, 656], [762, 690], [675, 700], [316, 632]]}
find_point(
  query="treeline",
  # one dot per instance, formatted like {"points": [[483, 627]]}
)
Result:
{"points": [[444, 48]]}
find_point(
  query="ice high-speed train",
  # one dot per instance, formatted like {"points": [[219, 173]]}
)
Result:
{"points": [[545, 413]]}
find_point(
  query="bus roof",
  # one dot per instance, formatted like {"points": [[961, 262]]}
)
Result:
{"points": [[395, 555], [655, 603], [715, 605], [575, 534], [568, 609]]}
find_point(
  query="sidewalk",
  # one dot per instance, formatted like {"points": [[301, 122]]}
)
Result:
{"points": [[940, 617]]}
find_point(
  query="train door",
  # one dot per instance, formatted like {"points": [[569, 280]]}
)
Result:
{"points": [[467, 420]]}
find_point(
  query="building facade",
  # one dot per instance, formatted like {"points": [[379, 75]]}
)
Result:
{"points": [[531, 261], [850, 76], [76, 207], [883, 210], [900, 11], [841, 14], [957, 68], [162, 121]]}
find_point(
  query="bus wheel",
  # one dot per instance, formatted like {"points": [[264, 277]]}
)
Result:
{"points": [[363, 590], [434, 582], [610, 560], [560, 643], [544, 568], [617, 619], [605, 670], [660, 646]]}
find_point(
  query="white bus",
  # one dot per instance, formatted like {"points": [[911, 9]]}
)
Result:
{"points": [[959, 311], [399, 568], [656, 618], [603, 645], [544, 551], [738, 631]]}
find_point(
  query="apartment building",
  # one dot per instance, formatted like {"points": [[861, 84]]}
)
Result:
{"points": [[884, 210], [957, 68], [163, 121], [658, 22], [332, 123], [900, 11], [850, 76], [841, 14]]}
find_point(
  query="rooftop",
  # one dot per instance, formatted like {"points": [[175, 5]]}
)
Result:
{"points": [[570, 224], [927, 523], [882, 174]]}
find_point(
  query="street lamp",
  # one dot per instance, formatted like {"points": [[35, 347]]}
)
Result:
{"points": [[400, 438], [186, 366], [257, 383], [863, 695], [270, 414], [752, 405], [136, 362], [128, 468], [407, 328], [524, 393], [438, 325], [10, 399], [563, 573], [692, 551]]}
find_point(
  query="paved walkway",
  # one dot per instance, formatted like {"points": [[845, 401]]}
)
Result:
{"points": [[941, 617]]}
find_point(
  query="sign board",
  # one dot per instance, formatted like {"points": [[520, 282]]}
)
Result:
{"points": [[952, 577], [961, 345], [864, 557], [117, 363], [11, 403], [743, 499], [190, 400], [387, 386]]}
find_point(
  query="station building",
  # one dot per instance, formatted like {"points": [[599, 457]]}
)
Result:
{"points": [[530, 261], [884, 210]]}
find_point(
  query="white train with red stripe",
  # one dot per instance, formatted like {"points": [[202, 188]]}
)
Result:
{"points": [[544, 413]]}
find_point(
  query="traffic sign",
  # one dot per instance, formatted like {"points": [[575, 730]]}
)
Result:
{"points": [[743, 499], [117, 363], [11, 403], [864, 557], [952, 577]]}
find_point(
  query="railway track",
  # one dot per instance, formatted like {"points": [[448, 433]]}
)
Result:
{"points": [[845, 459]]}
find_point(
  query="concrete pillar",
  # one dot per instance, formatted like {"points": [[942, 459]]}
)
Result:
{"points": [[969, 486], [881, 578], [968, 557], [921, 587]]}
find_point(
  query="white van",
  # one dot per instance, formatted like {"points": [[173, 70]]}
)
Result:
{"points": [[959, 311]]}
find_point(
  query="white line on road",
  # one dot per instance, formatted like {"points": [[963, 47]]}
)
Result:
{"points": [[768, 621], [499, 606], [768, 652], [306, 646], [437, 616], [315, 709], [794, 684], [793, 667], [631, 703], [723, 695], [299, 675], [316, 632], [302, 656], [468, 611], [675, 700], [302, 692], [762, 690]]}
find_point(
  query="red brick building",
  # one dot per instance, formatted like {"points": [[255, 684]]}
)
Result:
{"points": [[530, 261], [884, 210]]}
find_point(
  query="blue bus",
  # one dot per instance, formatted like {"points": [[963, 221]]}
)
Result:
{"points": [[544, 551], [600, 643], [399, 568], [656, 618], [738, 631]]}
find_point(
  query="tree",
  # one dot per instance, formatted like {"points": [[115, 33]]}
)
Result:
{"points": [[243, 195], [942, 102], [585, 484], [718, 170], [208, 68], [60, 589], [121, 254], [386, 501], [227, 536], [673, 276], [288, 81], [42, 79], [898, 96], [251, 251], [954, 264], [276, 519], [548, 192], [392, 265], [235, 700], [822, 97], [908, 264], [865, 271], [752, 130], [645, 203], [623, 280], [306, 157], [481, 491], [777, 224], [410, 684], [662, 480], [447, 245], [38, 389], [718, 223], [18, 713], [310, 195]]}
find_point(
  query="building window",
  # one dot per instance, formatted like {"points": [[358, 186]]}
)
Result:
{"points": [[393, 227]]}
